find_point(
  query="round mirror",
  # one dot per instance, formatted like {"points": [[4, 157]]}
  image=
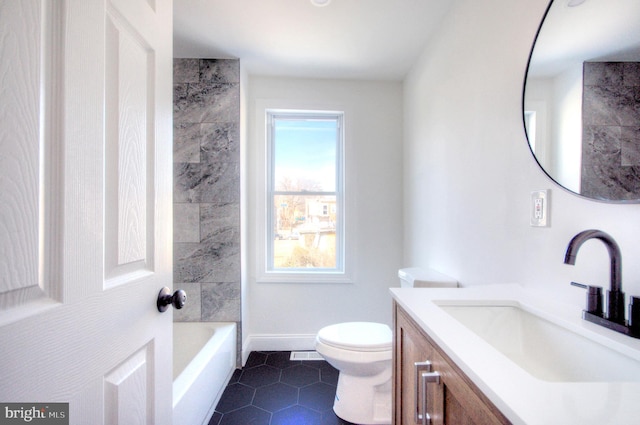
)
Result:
{"points": [[581, 102]]}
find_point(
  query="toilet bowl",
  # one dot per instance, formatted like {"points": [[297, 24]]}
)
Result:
{"points": [[361, 351]]}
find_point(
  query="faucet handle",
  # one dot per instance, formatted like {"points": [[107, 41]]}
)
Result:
{"points": [[634, 316], [594, 297]]}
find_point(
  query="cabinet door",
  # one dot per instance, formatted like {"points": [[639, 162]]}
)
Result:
{"points": [[455, 400], [410, 347]]}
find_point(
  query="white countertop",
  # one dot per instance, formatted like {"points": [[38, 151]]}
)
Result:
{"points": [[523, 398]]}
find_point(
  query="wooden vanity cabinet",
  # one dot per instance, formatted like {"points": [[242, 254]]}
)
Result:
{"points": [[454, 400]]}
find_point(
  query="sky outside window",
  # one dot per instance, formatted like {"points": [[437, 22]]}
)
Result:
{"points": [[305, 154]]}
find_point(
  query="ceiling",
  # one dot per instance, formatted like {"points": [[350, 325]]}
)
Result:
{"points": [[350, 39]]}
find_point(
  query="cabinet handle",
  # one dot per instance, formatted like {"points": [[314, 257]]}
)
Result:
{"points": [[427, 377], [424, 375], [420, 367]]}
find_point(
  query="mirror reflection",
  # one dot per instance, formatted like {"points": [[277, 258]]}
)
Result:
{"points": [[581, 104]]}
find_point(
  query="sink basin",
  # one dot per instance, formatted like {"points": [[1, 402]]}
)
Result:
{"points": [[543, 349]]}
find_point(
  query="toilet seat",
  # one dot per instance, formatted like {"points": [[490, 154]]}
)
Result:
{"points": [[357, 336]]}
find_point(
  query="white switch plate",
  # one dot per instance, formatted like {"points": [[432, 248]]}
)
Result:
{"points": [[540, 208]]}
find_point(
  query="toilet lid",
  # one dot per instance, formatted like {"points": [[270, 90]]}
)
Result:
{"points": [[357, 336]]}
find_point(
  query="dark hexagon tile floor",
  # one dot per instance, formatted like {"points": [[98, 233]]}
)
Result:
{"points": [[273, 390]]}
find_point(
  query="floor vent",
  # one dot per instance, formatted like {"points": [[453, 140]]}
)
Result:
{"points": [[305, 355]]}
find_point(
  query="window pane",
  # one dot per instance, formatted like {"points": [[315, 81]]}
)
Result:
{"points": [[305, 154], [305, 232]]}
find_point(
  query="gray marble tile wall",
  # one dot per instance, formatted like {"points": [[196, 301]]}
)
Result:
{"points": [[206, 193], [611, 130]]}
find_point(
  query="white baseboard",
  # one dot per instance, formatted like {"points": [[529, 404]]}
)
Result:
{"points": [[281, 342]]}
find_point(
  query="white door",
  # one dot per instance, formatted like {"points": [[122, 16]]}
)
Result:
{"points": [[85, 207]]}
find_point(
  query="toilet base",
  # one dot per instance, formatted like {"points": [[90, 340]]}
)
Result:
{"points": [[360, 402]]}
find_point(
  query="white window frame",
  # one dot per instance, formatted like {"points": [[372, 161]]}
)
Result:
{"points": [[265, 231]]}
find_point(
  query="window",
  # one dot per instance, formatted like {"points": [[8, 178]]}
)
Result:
{"points": [[305, 199]]}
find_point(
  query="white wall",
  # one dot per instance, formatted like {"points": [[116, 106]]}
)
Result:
{"points": [[539, 99], [287, 316], [567, 128], [469, 172]]}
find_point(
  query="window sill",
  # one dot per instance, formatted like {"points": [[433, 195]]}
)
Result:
{"points": [[301, 278]]}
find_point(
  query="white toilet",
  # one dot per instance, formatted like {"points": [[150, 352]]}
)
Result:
{"points": [[361, 351]]}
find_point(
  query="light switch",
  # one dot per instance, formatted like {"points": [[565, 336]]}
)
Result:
{"points": [[540, 208]]}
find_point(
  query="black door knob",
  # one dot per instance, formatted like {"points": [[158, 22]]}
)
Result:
{"points": [[178, 299]]}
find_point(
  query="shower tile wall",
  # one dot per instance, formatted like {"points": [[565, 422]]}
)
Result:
{"points": [[611, 130], [206, 194]]}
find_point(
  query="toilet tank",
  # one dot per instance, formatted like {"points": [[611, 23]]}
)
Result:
{"points": [[416, 277]]}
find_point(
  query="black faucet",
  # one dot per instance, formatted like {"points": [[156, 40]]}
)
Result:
{"points": [[615, 296]]}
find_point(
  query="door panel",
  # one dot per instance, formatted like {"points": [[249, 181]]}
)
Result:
{"points": [[26, 144], [85, 207], [127, 391], [130, 144]]}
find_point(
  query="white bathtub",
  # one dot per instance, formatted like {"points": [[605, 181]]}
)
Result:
{"points": [[204, 358]]}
